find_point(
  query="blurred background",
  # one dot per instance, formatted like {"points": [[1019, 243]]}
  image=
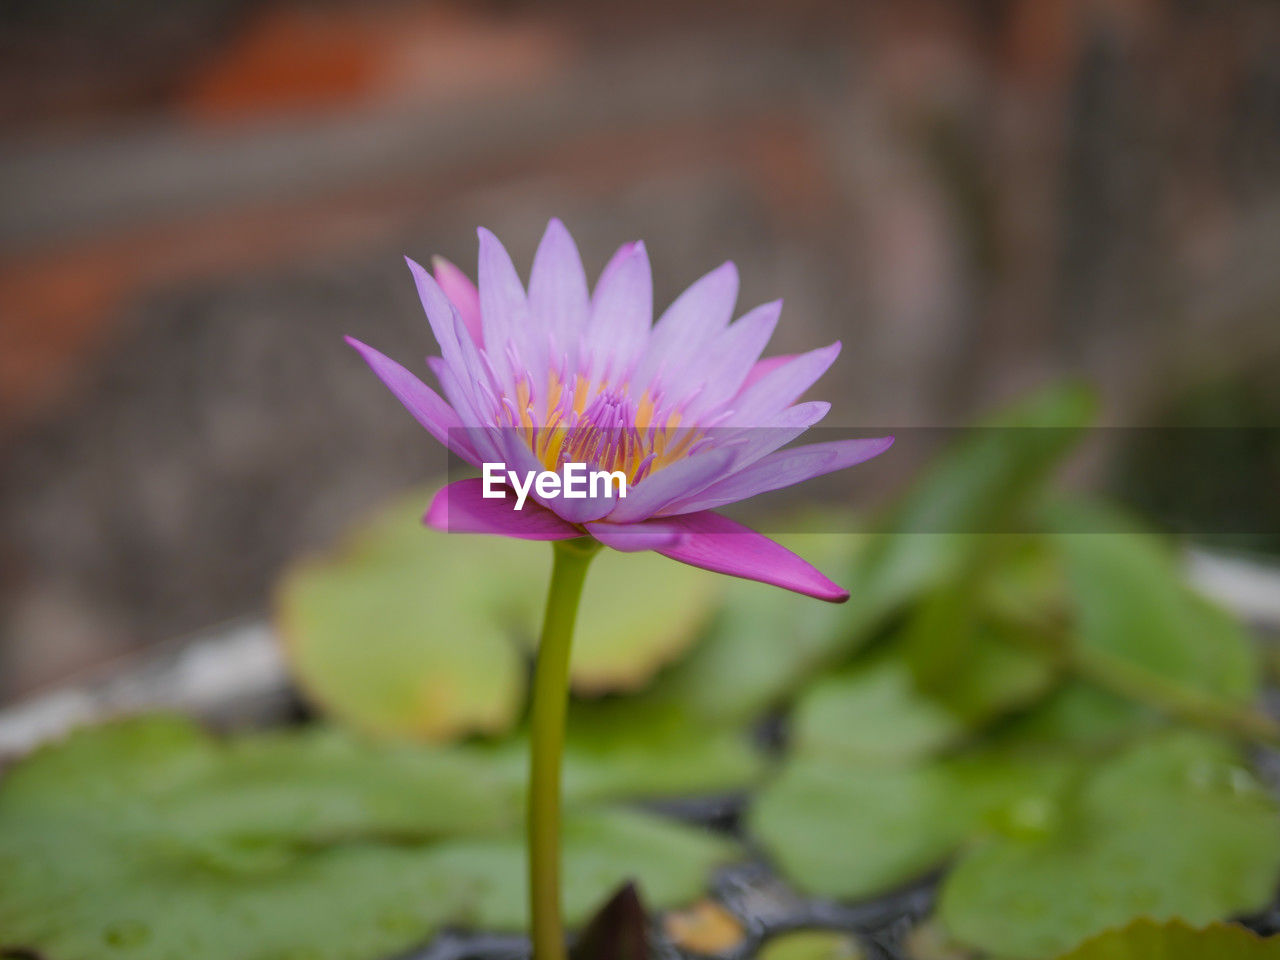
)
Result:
{"points": [[198, 198]]}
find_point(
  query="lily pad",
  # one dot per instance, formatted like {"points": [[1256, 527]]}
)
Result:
{"points": [[148, 839], [982, 485], [872, 712], [764, 644], [847, 830], [812, 945], [1173, 827], [1146, 939], [1133, 606], [411, 632]]}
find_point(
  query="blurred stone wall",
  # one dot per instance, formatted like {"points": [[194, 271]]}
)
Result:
{"points": [[197, 200]]}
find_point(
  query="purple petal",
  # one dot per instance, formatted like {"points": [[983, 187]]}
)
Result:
{"points": [[558, 294], [461, 507], [749, 444], [697, 315], [679, 479], [504, 313], [721, 545], [621, 313], [444, 318], [780, 387], [785, 468], [633, 537], [732, 354], [462, 293], [427, 406]]}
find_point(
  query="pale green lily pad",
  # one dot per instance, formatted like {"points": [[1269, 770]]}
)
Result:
{"points": [[639, 612], [1148, 940], [980, 486], [638, 749], [849, 830], [873, 712], [812, 945], [1079, 714], [764, 644], [876, 711], [1132, 605], [411, 632], [1173, 827], [147, 839]]}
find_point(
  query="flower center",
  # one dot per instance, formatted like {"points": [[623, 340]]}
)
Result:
{"points": [[598, 424]]}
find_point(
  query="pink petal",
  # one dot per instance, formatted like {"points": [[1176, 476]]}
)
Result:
{"points": [[558, 294], [782, 386], [633, 537], [765, 366], [427, 406], [461, 508], [462, 293], [721, 545], [785, 468]]}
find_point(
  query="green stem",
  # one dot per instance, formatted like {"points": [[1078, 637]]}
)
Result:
{"points": [[546, 739]]}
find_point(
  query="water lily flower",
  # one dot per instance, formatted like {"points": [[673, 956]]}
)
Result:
{"points": [[683, 412], [685, 408]]}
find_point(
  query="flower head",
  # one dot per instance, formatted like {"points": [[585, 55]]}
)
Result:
{"points": [[685, 408]]}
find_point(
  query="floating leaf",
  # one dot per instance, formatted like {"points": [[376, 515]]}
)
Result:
{"points": [[1145, 939], [1174, 827], [764, 644], [978, 487], [812, 945], [1132, 604], [848, 830], [408, 631], [601, 849], [645, 749], [116, 844], [872, 712], [639, 612], [1081, 715]]}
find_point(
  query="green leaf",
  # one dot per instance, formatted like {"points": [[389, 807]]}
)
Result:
{"points": [[411, 632], [639, 612], [1173, 827], [1145, 939], [147, 839], [872, 712], [1079, 714], [637, 748], [1132, 605], [846, 830], [812, 945], [979, 486], [407, 631], [764, 644]]}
